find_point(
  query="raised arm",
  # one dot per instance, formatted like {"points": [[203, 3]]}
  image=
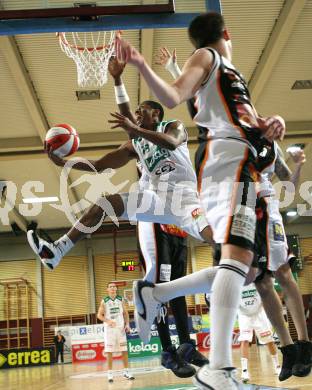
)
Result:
{"points": [[116, 69], [193, 74], [282, 170], [171, 139], [115, 159]]}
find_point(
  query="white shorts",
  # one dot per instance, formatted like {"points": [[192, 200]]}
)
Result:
{"points": [[180, 207], [115, 339], [258, 323], [230, 214], [277, 248]]}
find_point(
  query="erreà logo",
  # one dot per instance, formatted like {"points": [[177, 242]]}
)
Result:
{"points": [[3, 359]]}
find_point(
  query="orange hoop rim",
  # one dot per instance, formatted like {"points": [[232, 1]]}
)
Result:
{"points": [[61, 37]]}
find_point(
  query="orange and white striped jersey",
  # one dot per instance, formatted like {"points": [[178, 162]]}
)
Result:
{"points": [[224, 106]]}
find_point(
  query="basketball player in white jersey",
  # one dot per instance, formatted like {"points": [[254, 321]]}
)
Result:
{"points": [[252, 318], [296, 357], [224, 106], [113, 312], [163, 253], [161, 147]]}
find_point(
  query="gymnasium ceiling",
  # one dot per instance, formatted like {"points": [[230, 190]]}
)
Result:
{"points": [[272, 48]]}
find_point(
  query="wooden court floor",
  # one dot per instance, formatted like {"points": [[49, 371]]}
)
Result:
{"points": [[149, 376]]}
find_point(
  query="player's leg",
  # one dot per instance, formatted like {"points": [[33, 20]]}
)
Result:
{"points": [[274, 310], [122, 347], [264, 333], [294, 303], [52, 253], [176, 252], [245, 337], [110, 376], [228, 191], [155, 257]]}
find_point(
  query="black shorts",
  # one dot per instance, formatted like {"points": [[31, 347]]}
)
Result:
{"points": [[163, 256]]}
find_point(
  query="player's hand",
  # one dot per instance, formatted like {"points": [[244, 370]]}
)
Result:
{"points": [[127, 328], [115, 67], [163, 57], [126, 53], [298, 157], [111, 323], [53, 157], [273, 127], [123, 122]]}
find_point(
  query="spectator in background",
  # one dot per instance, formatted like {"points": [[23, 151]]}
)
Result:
{"points": [[59, 341]]}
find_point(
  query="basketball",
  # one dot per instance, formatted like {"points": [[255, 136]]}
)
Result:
{"points": [[62, 139]]}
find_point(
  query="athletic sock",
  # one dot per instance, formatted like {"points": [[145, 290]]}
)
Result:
{"points": [[275, 361], [225, 298], [244, 363], [196, 283], [64, 244]]}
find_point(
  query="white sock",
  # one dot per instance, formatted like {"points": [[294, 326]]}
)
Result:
{"points": [[275, 360], [224, 302], [198, 282], [109, 373], [244, 363], [65, 244]]}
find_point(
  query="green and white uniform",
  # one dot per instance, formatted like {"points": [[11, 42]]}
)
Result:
{"points": [[252, 317], [168, 194], [115, 339]]}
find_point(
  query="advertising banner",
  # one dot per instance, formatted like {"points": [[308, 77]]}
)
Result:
{"points": [[93, 352], [203, 340], [14, 358], [136, 348]]}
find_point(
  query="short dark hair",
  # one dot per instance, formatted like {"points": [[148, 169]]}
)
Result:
{"points": [[156, 106], [206, 29]]}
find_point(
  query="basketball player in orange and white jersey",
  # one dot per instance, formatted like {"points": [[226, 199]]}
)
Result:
{"points": [[235, 130], [296, 357]]}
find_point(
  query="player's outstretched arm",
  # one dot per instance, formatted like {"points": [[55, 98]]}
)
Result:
{"points": [[116, 69], [116, 159], [282, 170], [171, 139], [194, 73]]}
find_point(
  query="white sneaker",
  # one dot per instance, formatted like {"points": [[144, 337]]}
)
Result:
{"points": [[146, 308], [128, 376], [49, 252], [245, 376], [223, 379], [110, 378], [277, 370]]}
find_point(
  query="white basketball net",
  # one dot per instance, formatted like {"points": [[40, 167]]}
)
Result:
{"points": [[91, 52]]}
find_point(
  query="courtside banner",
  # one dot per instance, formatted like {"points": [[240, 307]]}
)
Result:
{"points": [[14, 358]]}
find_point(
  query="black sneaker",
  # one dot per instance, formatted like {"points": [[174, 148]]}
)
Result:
{"points": [[189, 353], [303, 364], [289, 359], [171, 360]]}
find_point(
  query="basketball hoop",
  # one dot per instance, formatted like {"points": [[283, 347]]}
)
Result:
{"points": [[91, 52]]}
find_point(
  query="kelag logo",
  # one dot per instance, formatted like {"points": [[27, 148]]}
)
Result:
{"points": [[26, 357], [137, 348]]}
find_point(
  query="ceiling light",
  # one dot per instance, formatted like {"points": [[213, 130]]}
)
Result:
{"points": [[47, 199], [291, 213], [92, 94], [302, 84]]}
